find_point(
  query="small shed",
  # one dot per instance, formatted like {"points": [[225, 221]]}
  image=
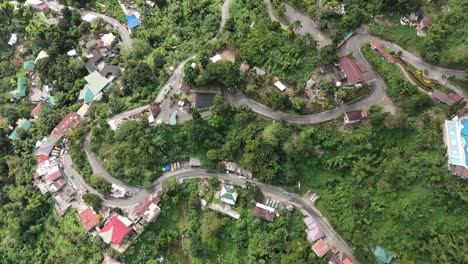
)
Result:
{"points": [[132, 21], [280, 86]]}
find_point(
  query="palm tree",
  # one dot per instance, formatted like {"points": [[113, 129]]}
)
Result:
{"points": [[296, 25]]}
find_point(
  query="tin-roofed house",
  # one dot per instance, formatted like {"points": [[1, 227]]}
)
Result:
{"points": [[228, 194]]}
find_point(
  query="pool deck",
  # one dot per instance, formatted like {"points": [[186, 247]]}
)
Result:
{"points": [[455, 142]]}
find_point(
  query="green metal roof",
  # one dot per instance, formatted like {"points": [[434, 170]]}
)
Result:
{"points": [[382, 255], [96, 82], [20, 90], [24, 124], [228, 192], [51, 100], [28, 65], [173, 118]]}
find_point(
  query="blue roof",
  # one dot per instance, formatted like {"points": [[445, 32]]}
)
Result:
{"points": [[132, 21]]}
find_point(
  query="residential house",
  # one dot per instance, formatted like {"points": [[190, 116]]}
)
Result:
{"points": [[339, 258], [44, 147], [115, 230], [228, 194], [320, 248], [382, 255], [83, 110], [89, 219], [148, 208], [448, 99], [356, 116], [313, 230], [423, 25], [23, 124], [184, 87], [68, 123], [92, 91], [107, 39], [353, 71], [265, 212], [13, 39], [110, 71], [28, 66], [63, 199], [53, 176], [57, 185], [216, 58], [132, 21], [92, 63], [36, 110], [20, 90]]}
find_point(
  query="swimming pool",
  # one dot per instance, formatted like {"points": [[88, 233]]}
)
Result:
{"points": [[464, 134]]}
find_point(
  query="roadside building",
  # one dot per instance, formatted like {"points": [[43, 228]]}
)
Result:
{"points": [[264, 212], [382, 255], [115, 230], [355, 116], [194, 162], [44, 147], [68, 123], [23, 124], [89, 219], [53, 176], [228, 194], [379, 47], [448, 99], [320, 248], [148, 209], [353, 72], [340, 258]]}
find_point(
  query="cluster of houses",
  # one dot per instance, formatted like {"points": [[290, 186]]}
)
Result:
{"points": [[317, 238], [418, 20], [100, 74], [346, 72]]}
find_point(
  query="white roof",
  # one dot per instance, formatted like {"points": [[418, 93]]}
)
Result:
{"points": [[125, 220], [107, 39], [89, 18], [41, 55], [271, 209], [71, 53], [13, 39], [151, 119], [33, 2], [280, 86], [215, 58], [83, 109], [115, 186]]}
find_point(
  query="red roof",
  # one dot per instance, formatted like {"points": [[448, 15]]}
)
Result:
{"points": [[100, 43], [320, 248], [264, 214], [69, 122], [43, 6], [35, 111], [53, 176], [351, 69], [455, 96], [439, 96], [89, 219], [118, 230], [42, 158], [155, 109], [143, 206], [426, 21], [184, 87], [379, 47]]}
